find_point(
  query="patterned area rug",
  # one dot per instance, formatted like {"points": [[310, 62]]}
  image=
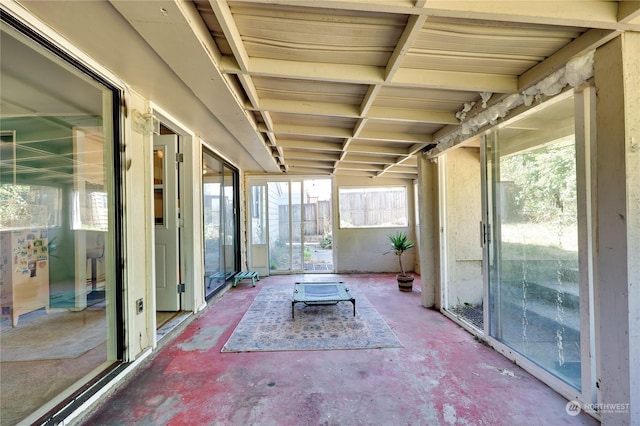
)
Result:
{"points": [[267, 325]]}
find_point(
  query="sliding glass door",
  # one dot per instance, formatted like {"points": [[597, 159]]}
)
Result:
{"points": [[296, 215], [281, 245], [219, 192], [60, 227], [534, 285]]}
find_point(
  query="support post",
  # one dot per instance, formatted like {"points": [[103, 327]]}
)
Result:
{"points": [[617, 284]]}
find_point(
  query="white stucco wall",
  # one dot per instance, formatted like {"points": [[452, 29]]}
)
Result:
{"points": [[429, 236], [464, 213]]}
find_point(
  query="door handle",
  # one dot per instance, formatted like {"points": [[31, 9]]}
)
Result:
{"points": [[485, 236]]}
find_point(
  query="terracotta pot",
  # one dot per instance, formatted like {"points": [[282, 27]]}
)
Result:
{"points": [[405, 282]]}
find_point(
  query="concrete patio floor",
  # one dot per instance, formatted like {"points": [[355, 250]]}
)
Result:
{"points": [[442, 376]]}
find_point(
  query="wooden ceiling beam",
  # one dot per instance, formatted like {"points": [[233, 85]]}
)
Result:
{"points": [[357, 173], [310, 145], [413, 115], [370, 75], [402, 169], [367, 159], [296, 129], [310, 163], [307, 107], [303, 154], [376, 150], [590, 40], [396, 166], [394, 136], [385, 6], [463, 81], [585, 13], [232, 34], [347, 165], [358, 74], [369, 98], [393, 175], [300, 169], [411, 31], [588, 14], [629, 12]]}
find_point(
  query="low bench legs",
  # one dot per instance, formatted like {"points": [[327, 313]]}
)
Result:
{"points": [[254, 276], [293, 305]]}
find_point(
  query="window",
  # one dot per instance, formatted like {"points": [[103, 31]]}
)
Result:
{"points": [[368, 207], [28, 206]]}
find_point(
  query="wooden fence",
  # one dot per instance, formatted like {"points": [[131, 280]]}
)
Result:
{"points": [[383, 208], [316, 220]]}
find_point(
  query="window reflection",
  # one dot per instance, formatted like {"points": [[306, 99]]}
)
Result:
{"points": [[219, 191], [534, 264], [56, 276]]}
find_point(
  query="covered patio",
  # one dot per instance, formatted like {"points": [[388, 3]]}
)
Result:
{"points": [[441, 375]]}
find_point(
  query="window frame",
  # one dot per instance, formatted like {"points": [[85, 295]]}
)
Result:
{"points": [[371, 189]]}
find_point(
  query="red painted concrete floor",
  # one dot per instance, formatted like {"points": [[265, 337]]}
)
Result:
{"points": [[442, 376]]}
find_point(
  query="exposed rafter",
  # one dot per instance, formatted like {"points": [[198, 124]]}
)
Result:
{"points": [[589, 14], [359, 87]]}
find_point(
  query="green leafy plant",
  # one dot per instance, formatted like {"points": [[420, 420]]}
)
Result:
{"points": [[400, 243], [326, 242]]}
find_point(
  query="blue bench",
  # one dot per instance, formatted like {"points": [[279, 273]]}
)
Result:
{"points": [[244, 275]]}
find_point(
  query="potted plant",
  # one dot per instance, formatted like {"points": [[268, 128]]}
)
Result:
{"points": [[399, 244]]}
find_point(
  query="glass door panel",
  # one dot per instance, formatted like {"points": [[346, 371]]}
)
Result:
{"points": [[533, 254], [317, 226], [299, 225], [229, 220], [279, 227], [213, 271], [158, 185], [219, 186], [292, 217], [60, 229], [297, 248]]}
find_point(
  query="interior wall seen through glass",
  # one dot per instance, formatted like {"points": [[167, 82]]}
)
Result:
{"points": [[57, 280]]}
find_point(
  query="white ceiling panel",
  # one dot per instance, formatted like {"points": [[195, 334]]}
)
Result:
{"points": [[362, 87]]}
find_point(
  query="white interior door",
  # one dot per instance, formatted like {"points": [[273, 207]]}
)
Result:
{"points": [[165, 185]]}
